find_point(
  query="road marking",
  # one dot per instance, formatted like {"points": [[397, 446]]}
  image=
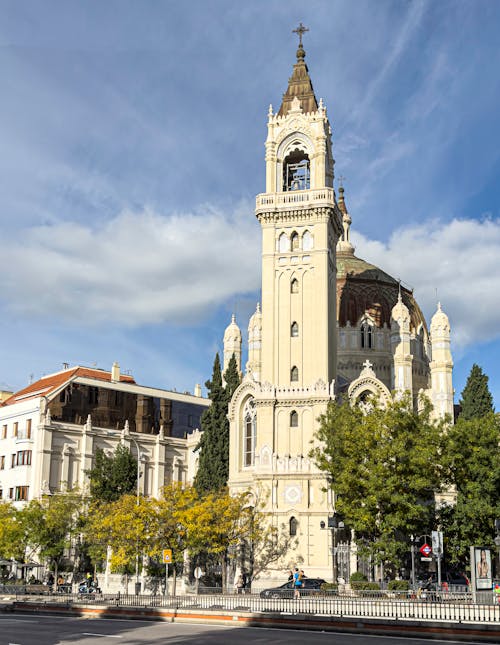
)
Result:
{"points": [[102, 635]]}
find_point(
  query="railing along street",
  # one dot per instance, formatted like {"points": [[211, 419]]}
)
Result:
{"points": [[393, 605]]}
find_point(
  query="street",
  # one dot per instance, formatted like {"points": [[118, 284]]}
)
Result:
{"points": [[51, 630]]}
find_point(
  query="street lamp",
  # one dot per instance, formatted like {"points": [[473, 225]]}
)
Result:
{"points": [[334, 523]]}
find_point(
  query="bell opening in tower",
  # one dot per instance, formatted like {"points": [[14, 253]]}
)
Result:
{"points": [[296, 171]]}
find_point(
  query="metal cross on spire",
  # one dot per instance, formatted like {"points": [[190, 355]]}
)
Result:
{"points": [[300, 31]]}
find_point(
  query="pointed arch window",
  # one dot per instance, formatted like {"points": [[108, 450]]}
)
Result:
{"points": [[284, 243], [294, 286], [307, 241], [294, 373], [294, 330], [293, 527], [366, 335], [294, 419], [249, 433], [295, 241], [296, 171]]}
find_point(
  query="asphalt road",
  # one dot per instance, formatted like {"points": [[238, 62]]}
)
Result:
{"points": [[55, 630]]}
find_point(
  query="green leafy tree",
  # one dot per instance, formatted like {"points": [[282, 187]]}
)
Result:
{"points": [[112, 477], [472, 460], [383, 469], [213, 466], [13, 543], [50, 524], [476, 401]]}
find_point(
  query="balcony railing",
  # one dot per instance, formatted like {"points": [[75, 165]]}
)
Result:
{"points": [[271, 201]]}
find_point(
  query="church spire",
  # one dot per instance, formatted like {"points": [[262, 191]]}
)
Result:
{"points": [[299, 83]]}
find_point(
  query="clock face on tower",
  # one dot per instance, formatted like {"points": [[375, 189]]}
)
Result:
{"points": [[292, 494]]}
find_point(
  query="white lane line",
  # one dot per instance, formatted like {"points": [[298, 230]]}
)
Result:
{"points": [[102, 635]]}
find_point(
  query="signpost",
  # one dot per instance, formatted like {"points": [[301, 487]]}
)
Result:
{"points": [[197, 574], [437, 547], [167, 559]]}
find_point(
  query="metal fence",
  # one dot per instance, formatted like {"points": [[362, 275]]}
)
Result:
{"points": [[397, 606]]}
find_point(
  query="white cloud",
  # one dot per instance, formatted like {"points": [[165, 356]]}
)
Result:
{"points": [[458, 258], [136, 268]]}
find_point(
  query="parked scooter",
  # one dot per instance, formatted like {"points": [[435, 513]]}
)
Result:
{"points": [[86, 587]]}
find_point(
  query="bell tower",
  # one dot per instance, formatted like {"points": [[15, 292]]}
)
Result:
{"points": [[301, 223], [292, 351]]}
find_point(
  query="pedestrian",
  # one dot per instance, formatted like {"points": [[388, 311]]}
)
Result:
{"points": [[297, 583], [290, 576], [240, 584]]}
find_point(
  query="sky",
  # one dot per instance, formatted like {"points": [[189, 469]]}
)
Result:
{"points": [[132, 147]]}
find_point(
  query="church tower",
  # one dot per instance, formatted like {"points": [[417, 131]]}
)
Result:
{"points": [[291, 369]]}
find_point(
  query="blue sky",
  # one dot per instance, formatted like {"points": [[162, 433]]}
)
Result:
{"points": [[132, 147]]}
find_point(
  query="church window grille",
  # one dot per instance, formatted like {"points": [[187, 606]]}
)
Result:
{"points": [[249, 433], [294, 330], [294, 419], [293, 527], [296, 171], [295, 241], [294, 287], [366, 336], [294, 373]]}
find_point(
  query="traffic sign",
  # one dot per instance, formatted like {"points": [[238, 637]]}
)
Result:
{"points": [[425, 550], [167, 556]]}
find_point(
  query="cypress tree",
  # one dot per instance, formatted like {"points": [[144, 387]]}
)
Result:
{"points": [[476, 401], [213, 464]]}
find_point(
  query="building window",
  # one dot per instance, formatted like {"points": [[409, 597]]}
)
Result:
{"points": [[294, 330], [293, 527], [307, 241], [15, 430], [13, 460], [11, 493], [294, 373], [249, 432], [1, 493], [4, 431], [294, 287], [284, 243], [366, 336], [28, 429], [2, 462], [93, 395], [295, 242], [294, 420], [24, 458], [21, 493]]}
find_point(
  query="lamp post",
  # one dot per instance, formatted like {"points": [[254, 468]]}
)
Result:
{"points": [[333, 524], [137, 583]]}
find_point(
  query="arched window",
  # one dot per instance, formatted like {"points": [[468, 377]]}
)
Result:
{"points": [[307, 241], [366, 336], [294, 373], [295, 241], [294, 419], [249, 432], [284, 243], [293, 527], [294, 331], [296, 171], [294, 286]]}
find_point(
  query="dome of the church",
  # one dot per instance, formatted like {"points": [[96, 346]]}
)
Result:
{"points": [[363, 288]]}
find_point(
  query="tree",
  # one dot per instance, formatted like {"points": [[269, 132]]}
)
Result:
{"points": [[476, 401], [383, 468], [472, 461], [213, 465], [12, 534], [112, 477], [50, 523]]}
